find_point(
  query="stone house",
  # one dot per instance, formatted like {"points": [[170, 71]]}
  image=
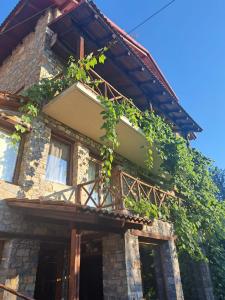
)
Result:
{"points": [[61, 235]]}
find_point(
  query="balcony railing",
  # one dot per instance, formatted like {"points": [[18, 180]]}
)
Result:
{"points": [[15, 293], [104, 88], [111, 196]]}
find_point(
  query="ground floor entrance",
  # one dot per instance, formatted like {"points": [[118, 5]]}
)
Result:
{"points": [[52, 279], [50, 271], [153, 284], [91, 271], [97, 257]]}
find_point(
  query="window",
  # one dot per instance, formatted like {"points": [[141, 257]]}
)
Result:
{"points": [[93, 173], [58, 164], [98, 194], [8, 157]]}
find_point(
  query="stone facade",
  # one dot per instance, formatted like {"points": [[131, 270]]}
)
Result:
{"points": [[171, 270], [121, 268], [122, 272], [203, 281], [21, 267], [33, 165], [29, 62]]}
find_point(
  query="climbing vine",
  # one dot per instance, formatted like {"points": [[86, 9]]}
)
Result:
{"points": [[198, 217], [40, 93]]}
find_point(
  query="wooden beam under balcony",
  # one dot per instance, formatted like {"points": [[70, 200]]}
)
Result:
{"points": [[83, 218]]}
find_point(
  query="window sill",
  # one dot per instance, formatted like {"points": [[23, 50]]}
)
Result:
{"points": [[57, 183], [8, 189]]}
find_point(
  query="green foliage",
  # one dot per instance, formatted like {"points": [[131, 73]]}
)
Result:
{"points": [[40, 93], [219, 180], [142, 207]]}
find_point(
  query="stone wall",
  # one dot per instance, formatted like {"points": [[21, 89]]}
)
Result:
{"points": [[122, 271], [171, 271], [31, 60], [20, 267], [196, 279], [133, 267], [34, 160], [121, 268]]}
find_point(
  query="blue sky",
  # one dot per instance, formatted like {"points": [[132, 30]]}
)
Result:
{"points": [[187, 40]]}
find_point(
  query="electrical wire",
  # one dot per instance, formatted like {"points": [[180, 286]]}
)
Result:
{"points": [[129, 32], [150, 17], [26, 20]]}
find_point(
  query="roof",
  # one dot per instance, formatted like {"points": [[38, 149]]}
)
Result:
{"points": [[145, 70], [137, 76], [67, 5], [14, 28], [69, 209], [144, 54]]}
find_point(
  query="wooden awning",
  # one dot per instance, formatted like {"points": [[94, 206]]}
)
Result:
{"points": [[9, 109], [83, 217]]}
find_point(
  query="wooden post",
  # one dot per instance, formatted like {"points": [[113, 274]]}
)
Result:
{"points": [[80, 47], [74, 278]]}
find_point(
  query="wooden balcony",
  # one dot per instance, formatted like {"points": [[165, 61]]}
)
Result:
{"points": [[104, 88], [111, 196], [79, 108]]}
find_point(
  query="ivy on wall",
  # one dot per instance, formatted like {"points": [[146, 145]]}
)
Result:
{"points": [[199, 217]]}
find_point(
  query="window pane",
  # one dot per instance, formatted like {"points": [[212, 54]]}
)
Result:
{"points": [[93, 173], [8, 157], [58, 162]]}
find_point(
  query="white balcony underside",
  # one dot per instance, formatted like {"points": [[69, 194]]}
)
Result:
{"points": [[79, 108]]}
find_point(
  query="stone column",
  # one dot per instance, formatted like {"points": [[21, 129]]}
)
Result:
{"points": [[20, 267], [171, 271], [202, 280], [121, 268], [133, 267], [80, 166], [80, 163], [34, 161]]}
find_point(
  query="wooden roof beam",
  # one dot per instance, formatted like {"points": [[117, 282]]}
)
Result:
{"points": [[112, 57], [125, 54], [88, 20], [143, 83], [138, 69]]}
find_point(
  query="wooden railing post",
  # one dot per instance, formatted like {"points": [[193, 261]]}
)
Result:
{"points": [[13, 292], [78, 198], [122, 196], [117, 187], [74, 278]]}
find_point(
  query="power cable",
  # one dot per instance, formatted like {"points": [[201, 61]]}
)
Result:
{"points": [[129, 32], [150, 17], [28, 19]]}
